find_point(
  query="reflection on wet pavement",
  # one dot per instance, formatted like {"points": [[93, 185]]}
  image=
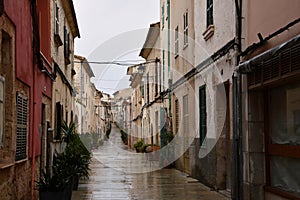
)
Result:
{"points": [[110, 178]]}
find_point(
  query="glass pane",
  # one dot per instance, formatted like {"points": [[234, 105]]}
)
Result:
{"points": [[284, 107], [285, 174]]}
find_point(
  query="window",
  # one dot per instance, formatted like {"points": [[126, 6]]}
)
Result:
{"points": [[185, 28], [163, 71], [66, 46], [56, 20], [156, 78], [157, 128], [185, 114], [283, 146], [176, 41], [143, 89], [163, 16], [176, 116], [202, 114], [2, 111], [22, 126], [57, 38], [148, 89], [209, 13], [58, 119]]}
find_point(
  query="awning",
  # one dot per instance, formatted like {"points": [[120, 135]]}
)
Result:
{"points": [[250, 65]]}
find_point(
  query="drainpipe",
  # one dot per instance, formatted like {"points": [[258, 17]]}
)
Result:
{"points": [[1, 7], [81, 91], [237, 114], [35, 57], [169, 58]]}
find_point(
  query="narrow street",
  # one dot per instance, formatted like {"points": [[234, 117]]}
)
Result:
{"points": [[110, 180]]}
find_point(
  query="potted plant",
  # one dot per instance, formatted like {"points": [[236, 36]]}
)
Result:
{"points": [[58, 185], [67, 167], [77, 155], [139, 145]]}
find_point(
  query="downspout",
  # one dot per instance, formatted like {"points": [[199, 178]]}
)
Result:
{"points": [[81, 91], [169, 58], [35, 57], [237, 114], [1, 7]]}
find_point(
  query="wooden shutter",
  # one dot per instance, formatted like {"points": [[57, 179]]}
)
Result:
{"points": [[185, 114], [22, 126], [282, 65]]}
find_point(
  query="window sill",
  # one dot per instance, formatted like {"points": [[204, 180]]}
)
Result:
{"points": [[6, 165], [209, 32], [21, 161]]}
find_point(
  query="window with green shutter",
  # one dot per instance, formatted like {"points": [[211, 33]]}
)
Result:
{"points": [[185, 114], [209, 13], [163, 16], [202, 114], [185, 28], [22, 126]]}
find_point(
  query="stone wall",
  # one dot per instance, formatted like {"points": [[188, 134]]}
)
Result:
{"points": [[253, 147]]}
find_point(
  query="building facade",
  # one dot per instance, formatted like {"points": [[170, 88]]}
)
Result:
{"points": [[26, 94], [269, 77], [151, 52], [85, 94], [118, 106], [215, 61], [137, 100]]}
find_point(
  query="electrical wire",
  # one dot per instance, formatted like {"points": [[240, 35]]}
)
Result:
{"points": [[121, 62], [99, 79]]}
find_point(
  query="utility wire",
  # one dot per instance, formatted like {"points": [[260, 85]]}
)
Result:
{"points": [[121, 63]]}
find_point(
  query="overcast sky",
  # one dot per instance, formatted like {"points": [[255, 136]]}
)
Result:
{"points": [[113, 30]]}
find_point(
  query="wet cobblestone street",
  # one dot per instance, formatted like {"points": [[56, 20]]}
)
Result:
{"points": [[111, 180]]}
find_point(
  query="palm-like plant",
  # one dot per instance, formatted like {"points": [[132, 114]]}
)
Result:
{"points": [[72, 162]]}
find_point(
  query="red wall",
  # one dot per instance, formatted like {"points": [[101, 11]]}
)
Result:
{"points": [[19, 13], [43, 9], [26, 68]]}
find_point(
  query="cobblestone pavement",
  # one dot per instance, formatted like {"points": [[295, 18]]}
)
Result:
{"points": [[111, 180]]}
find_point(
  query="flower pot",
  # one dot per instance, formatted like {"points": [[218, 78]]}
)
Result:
{"points": [[75, 182], [47, 195], [68, 191]]}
